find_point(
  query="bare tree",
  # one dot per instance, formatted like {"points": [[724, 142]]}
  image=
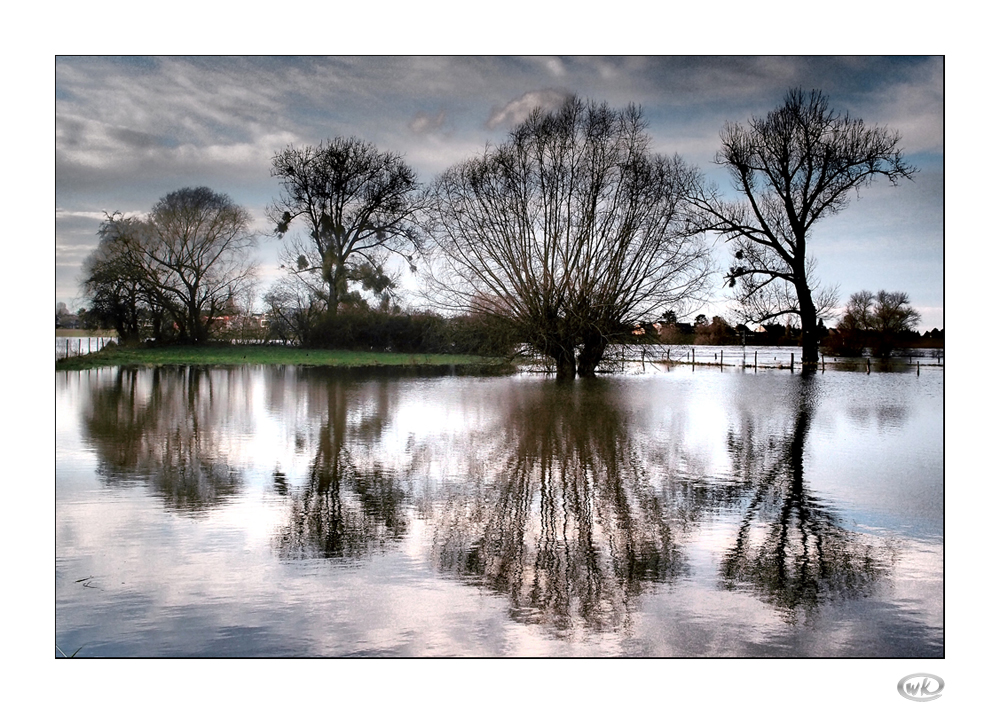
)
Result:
{"points": [[569, 232], [293, 311], [796, 165], [357, 203], [875, 321], [191, 256]]}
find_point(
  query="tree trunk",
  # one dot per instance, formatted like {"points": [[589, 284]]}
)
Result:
{"points": [[197, 327], [336, 276], [566, 366], [590, 356], [565, 361], [810, 333]]}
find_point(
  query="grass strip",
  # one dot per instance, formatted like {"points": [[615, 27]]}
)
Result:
{"points": [[226, 355]]}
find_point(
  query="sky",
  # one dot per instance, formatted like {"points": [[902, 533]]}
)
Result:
{"points": [[130, 130]]}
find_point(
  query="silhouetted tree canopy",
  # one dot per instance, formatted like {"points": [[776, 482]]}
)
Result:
{"points": [[794, 166], [357, 204], [874, 321], [569, 231], [112, 282], [187, 260]]}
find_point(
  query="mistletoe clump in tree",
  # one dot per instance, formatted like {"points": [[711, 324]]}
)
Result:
{"points": [[357, 205]]}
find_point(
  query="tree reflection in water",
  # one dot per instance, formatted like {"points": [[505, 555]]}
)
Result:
{"points": [[557, 512], [555, 496], [791, 549], [352, 504], [162, 426]]}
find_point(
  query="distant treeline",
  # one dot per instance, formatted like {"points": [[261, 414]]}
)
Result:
{"points": [[362, 328], [839, 340]]}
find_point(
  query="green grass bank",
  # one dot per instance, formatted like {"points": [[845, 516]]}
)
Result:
{"points": [[225, 355]]}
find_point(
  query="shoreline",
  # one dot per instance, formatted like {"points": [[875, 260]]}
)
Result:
{"points": [[225, 355]]}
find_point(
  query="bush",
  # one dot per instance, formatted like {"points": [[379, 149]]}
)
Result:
{"points": [[361, 329]]}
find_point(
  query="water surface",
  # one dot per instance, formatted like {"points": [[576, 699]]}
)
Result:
{"points": [[287, 511]]}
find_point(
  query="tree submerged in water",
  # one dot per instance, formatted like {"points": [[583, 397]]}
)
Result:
{"points": [[569, 233], [801, 162]]}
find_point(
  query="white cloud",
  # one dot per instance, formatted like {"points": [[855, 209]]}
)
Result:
{"points": [[517, 111], [555, 67], [424, 123], [62, 213]]}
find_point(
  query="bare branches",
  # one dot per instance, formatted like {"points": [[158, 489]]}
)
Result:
{"points": [[874, 321], [570, 229], [799, 163], [357, 204], [188, 259]]}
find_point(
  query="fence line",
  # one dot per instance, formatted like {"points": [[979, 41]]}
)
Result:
{"points": [[767, 358], [67, 347]]}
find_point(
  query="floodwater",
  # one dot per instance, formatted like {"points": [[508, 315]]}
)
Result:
{"points": [[285, 511]]}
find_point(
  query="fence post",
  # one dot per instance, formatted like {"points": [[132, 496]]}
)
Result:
{"points": [[793, 362]]}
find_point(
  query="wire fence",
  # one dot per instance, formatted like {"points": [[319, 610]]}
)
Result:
{"points": [[639, 358], [67, 347], [760, 357]]}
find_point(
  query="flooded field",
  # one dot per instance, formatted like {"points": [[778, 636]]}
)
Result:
{"points": [[287, 511]]}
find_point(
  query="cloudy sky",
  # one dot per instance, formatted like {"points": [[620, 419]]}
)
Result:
{"points": [[130, 130]]}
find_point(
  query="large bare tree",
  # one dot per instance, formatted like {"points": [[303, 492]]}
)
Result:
{"points": [[192, 255], [792, 167], [569, 232], [357, 204]]}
